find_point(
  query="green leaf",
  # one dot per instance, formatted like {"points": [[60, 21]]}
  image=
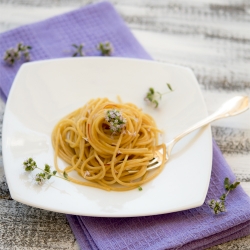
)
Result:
{"points": [[151, 90], [216, 210], [236, 184], [140, 188], [42, 175], [169, 86], [47, 168], [65, 175], [156, 103], [227, 183], [150, 98], [223, 197], [54, 172], [49, 176]]}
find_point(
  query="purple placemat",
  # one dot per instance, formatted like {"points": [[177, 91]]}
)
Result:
{"points": [[53, 38], [196, 228]]}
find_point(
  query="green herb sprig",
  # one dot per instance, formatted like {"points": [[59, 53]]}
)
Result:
{"points": [[153, 97], [79, 50], [218, 206], [115, 119], [14, 54], [106, 48], [46, 174]]}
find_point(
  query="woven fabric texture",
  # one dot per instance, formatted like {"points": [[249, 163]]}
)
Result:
{"points": [[53, 38], [196, 228]]}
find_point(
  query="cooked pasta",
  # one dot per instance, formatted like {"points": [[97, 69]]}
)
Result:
{"points": [[109, 144]]}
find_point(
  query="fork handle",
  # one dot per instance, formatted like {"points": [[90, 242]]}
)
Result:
{"points": [[232, 107]]}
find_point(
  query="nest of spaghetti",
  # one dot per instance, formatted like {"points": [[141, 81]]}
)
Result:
{"points": [[110, 145]]}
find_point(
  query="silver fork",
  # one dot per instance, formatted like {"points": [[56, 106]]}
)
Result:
{"points": [[234, 106]]}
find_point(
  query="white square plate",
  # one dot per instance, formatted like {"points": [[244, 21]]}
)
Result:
{"points": [[45, 91]]}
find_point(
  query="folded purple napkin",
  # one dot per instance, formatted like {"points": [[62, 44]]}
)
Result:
{"points": [[196, 228]]}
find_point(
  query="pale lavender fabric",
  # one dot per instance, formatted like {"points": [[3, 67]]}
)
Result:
{"points": [[196, 228]]}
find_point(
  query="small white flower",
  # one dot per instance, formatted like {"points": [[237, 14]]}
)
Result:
{"points": [[46, 175], [147, 100], [87, 173], [39, 179], [132, 134]]}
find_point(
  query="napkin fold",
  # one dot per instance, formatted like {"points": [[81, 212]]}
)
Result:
{"points": [[196, 228]]}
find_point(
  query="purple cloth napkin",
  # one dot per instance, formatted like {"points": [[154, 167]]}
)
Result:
{"points": [[53, 38], [196, 228]]}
